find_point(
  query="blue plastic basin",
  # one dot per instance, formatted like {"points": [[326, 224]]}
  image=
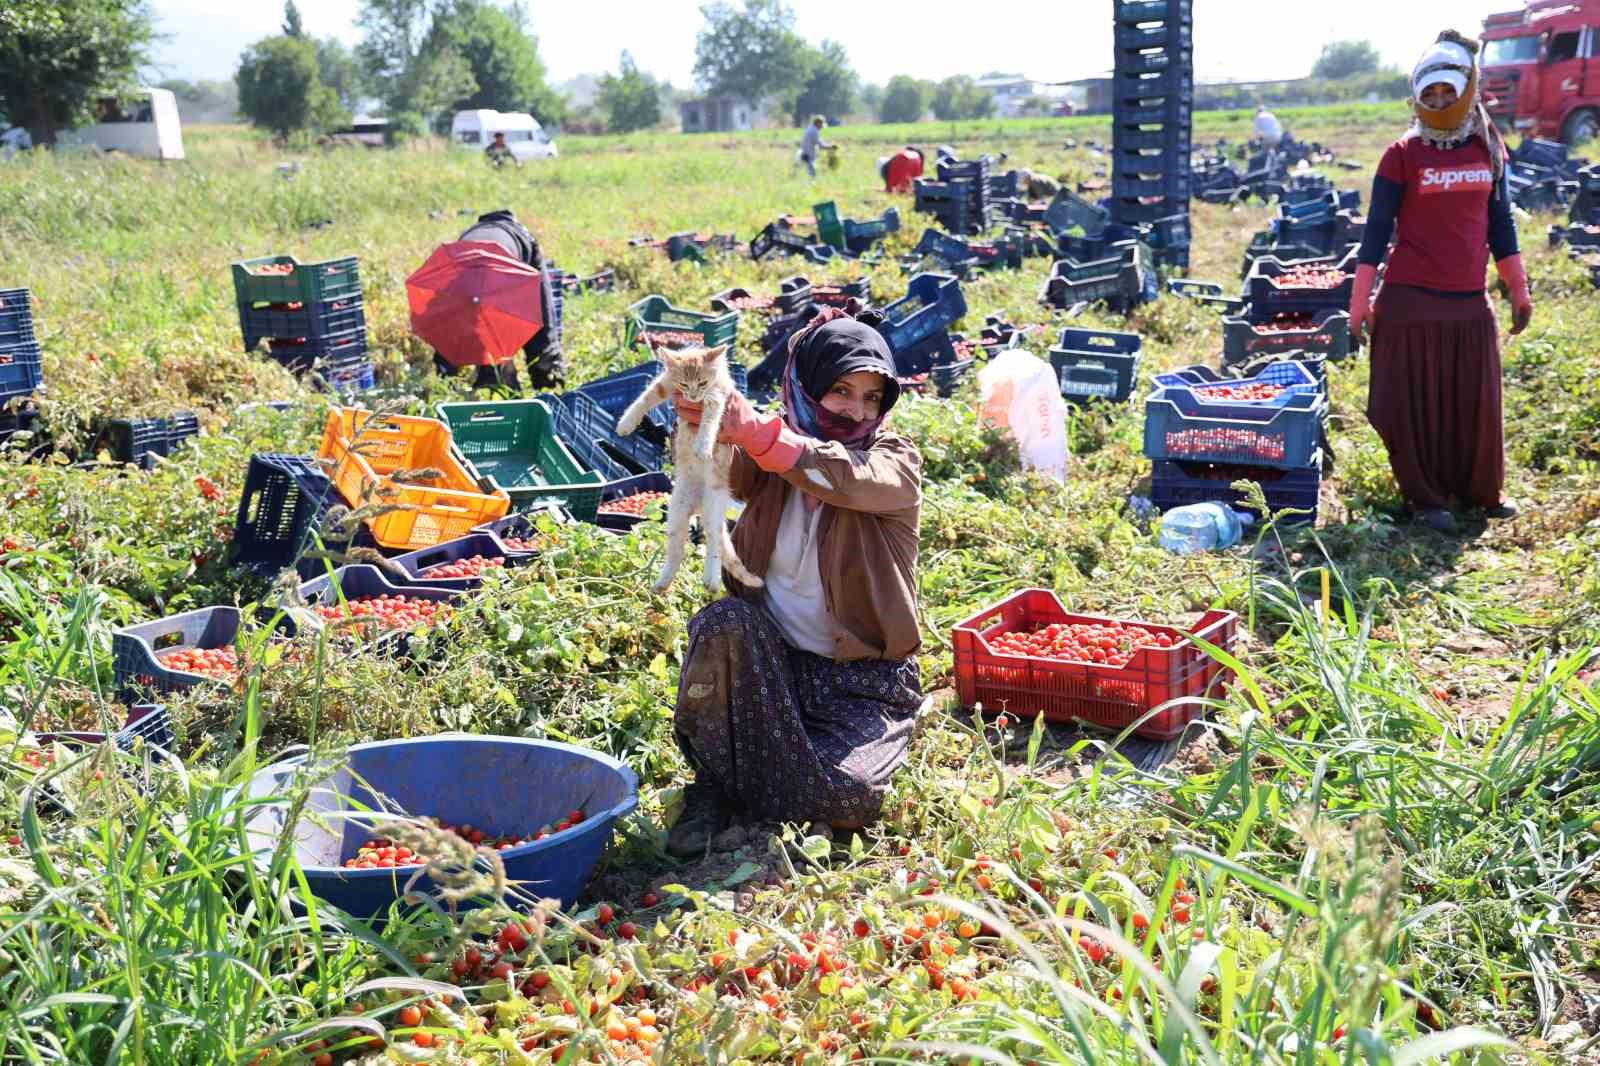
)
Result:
{"points": [[502, 785]]}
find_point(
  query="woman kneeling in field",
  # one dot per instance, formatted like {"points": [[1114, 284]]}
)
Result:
{"points": [[796, 700]]}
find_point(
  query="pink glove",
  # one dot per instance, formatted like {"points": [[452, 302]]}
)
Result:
{"points": [[763, 437], [1515, 275], [1362, 315]]}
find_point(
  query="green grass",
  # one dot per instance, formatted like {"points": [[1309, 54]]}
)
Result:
{"points": [[1388, 830]]}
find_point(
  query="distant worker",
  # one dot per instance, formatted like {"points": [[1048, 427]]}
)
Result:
{"points": [[812, 142], [1268, 128], [547, 368], [499, 152]]}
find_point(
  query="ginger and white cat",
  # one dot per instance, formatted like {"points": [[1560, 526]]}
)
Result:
{"points": [[700, 464]]}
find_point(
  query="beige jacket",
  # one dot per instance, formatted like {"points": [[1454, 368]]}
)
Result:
{"points": [[867, 540]]}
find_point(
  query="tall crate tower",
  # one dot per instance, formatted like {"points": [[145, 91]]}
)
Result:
{"points": [[1152, 102]]}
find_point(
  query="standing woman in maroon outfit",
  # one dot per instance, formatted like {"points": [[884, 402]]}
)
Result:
{"points": [[1435, 393]]}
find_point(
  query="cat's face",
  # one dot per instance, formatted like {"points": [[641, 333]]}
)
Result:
{"points": [[694, 371]]}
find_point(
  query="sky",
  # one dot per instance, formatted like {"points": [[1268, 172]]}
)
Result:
{"points": [[1059, 41]]}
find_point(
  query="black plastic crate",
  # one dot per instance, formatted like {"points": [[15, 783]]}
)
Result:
{"points": [[1129, 61], [1327, 334], [1172, 185], [1097, 364], [1175, 483], [336, 351], [621, 522], [416, 564], [141, 440], [1133, 135]]}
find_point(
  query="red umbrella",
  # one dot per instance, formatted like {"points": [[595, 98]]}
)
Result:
{"points": [[474, 304]]}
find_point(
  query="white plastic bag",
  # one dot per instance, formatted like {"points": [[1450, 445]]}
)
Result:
{"points": [[1020, 393]]}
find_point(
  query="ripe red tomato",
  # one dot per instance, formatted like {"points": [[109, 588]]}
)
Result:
{"points": [[472, 566], [219, 663]]}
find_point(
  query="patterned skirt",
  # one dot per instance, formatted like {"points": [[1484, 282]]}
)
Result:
{"points": [[783, 733]]}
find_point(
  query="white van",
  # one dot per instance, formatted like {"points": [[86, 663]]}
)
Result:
{"points": [[524, 136], [146, 126]]}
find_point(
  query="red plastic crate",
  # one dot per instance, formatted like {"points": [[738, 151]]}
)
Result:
{"points": [[1111, 697]]}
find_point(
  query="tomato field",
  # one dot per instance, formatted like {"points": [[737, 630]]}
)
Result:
{"points": [[1380, 845]]}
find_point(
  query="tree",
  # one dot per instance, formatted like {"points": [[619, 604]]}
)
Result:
{"points": [[829, 87], [959, 97], [340, 71], [1346, 59], [872, 97], [291, 20], [59, 56], [752, 53], [904, 100], [391, 43], [503, 58], [631, 100], [279, 89]]}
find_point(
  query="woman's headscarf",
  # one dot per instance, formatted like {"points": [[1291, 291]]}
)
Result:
{"points": [[826, 349], [1452, 60]]}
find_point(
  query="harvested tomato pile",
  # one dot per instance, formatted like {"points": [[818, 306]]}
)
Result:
{"points": [[1239, 442], [1294, 322], [750, 303], [392, 612], [384, 854], [36, 759], [1310, 278], [220, 663], [274, 268], [965, 349], [471, 566], [1251, 392], [525, 544], [673, 338], [1111, 643], [636, 504]]}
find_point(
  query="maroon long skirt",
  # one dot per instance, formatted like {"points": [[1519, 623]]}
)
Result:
{"points": [[1435, 396], [786, 734]]}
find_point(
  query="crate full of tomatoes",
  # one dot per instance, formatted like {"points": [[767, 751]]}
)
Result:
{"points": [[1180, 425], [1275, 290], [1325, 333], [1274, 385], [1028, 655]]}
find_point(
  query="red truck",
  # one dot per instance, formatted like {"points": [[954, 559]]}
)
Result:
{"points": [[1541, 69]]}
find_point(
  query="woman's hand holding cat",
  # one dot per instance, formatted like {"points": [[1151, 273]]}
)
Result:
{"points": [[742, 426]]}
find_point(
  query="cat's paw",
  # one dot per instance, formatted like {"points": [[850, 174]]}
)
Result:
{"points": [[626, 425], [712, 582], [754, 582], [703, 450]]}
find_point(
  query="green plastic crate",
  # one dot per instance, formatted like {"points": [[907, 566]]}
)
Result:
{"points": [[829, 228], [654, 314], [307, 283], [512, 445]]}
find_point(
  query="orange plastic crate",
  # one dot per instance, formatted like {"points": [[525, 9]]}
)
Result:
{"points": [[1111, 697], [366, 452]]}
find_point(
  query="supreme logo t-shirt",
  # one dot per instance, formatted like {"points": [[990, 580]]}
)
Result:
{"points": [[1442, 231]]}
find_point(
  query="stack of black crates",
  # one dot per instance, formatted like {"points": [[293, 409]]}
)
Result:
{"points": [[1152, 106]]}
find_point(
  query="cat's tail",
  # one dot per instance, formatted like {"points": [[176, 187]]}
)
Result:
{"points": [[735, 565]]}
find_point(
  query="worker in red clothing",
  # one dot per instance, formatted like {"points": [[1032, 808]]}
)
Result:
{"points": [[1435, 391]]}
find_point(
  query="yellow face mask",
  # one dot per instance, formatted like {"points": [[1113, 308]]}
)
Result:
{"points": [[1452, 117]]}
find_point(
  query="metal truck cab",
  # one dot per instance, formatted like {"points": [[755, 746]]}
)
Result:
{"points": [[1541, 69]]}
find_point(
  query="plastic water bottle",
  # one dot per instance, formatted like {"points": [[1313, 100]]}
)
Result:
{"points": [[1199, 527]]}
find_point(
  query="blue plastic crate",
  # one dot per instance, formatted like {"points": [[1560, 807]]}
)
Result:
{"points": [[932, 302], [417, 563], [362, 580], [1068, 211], [338, 348], [615, 392], [315, 321], [1173, 484], [1268, 297], [20, 369], [1179, 426], [1174, 33], [1157, 135], [1120, 290], [937, 348], [1171, 79], [141, 440], [1159, 59], [136, 649], [359, 376], [1173, 185], [1133, 12], [633, 451], [282, 508], [1203, 382], [1096, 363], [16, 317]]}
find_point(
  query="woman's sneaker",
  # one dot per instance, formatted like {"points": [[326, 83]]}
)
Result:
{"points": [[1504, 509]]}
